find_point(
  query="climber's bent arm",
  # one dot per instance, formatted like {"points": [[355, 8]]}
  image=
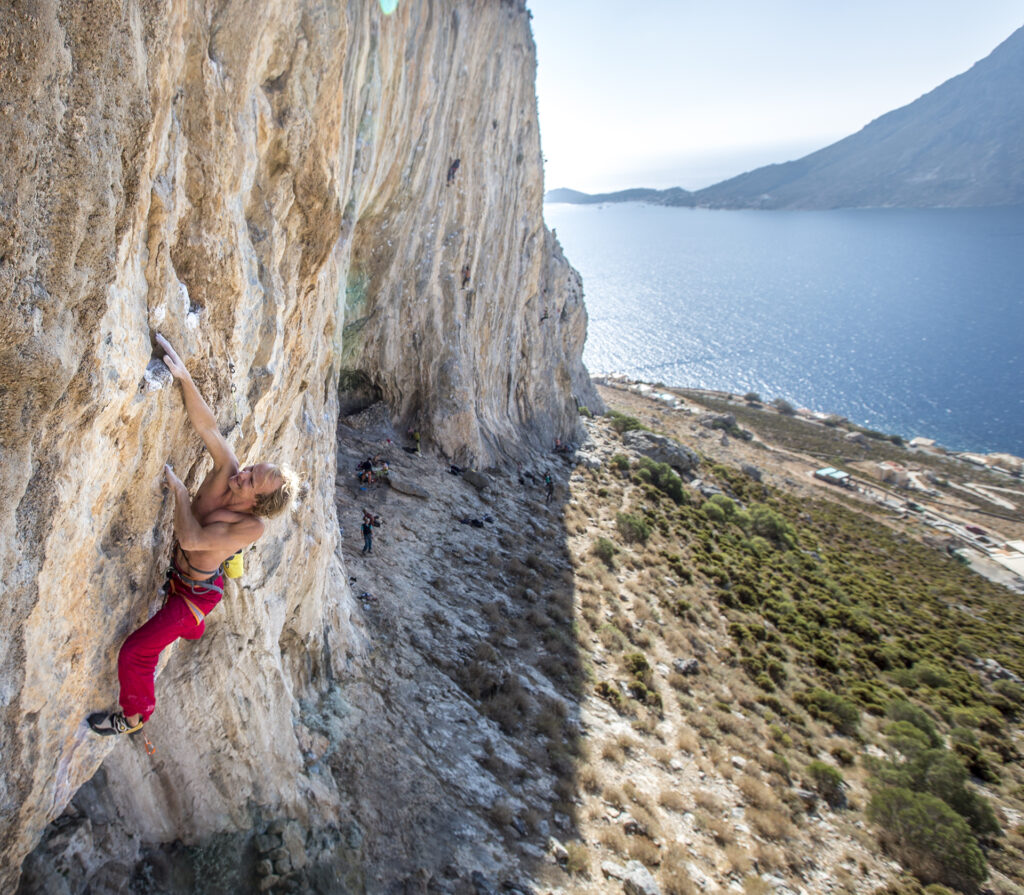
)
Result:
{"points": [[199, 413], [219, 537]]}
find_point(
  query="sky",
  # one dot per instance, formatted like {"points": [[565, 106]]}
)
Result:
{"points": [[688, 93]]}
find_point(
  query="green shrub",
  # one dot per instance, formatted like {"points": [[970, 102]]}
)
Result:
{"points": [[632, 527], [727, 506], [610, 693], [907, 739], [604, 549], [620, 462], [585, 412], [713, 512], [828, 783], [928, 838], [1011, 691], [831, 707], [844, 756], [638, 666], [930, 675], [946, 778], [902, 710], [663, 477], [783, 406], [622, 422], [940, 773], [768, 524]]}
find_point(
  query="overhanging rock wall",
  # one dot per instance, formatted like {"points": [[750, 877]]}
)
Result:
{"points": [[266, 184]]}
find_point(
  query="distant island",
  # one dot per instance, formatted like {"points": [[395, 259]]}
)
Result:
{"points": [[960, 145]]}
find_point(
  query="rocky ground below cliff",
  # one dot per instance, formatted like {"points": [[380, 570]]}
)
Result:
{"points": [[476, 752]]}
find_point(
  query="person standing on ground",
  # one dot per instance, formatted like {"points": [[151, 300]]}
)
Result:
{"points": [[225, 516], [369, 521]]}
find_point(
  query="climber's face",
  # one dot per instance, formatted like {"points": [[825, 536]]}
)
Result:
{"points": [[251, 481]]}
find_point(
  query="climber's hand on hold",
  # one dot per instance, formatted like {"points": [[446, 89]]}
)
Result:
{"points": [[171, 359], [173, 482]]}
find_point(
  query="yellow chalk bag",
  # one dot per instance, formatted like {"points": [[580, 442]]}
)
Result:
{"points": [[233, 565]]}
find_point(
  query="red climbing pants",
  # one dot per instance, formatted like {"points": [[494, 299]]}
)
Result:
{"points": [[137, 660]]}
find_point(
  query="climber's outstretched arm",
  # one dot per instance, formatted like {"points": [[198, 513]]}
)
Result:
{"points": [[199, 413]]}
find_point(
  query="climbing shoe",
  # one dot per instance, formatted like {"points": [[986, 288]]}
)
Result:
{"points": [[112, 724]]}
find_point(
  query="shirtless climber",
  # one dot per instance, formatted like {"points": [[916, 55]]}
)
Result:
{"points": [[225, 516]]}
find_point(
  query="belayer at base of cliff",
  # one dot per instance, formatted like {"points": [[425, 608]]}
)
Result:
{"points": [[224, 517]]}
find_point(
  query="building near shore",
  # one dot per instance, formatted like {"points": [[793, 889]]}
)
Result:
{"points": [[834, 477], [975, 459], [926, 444], [893, 473], [1007, 462], [1010, 556]]}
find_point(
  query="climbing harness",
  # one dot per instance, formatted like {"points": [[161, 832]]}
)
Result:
{"points": [[199, 587]]}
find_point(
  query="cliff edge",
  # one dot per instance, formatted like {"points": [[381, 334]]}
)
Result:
{"points": [[274, 187]]}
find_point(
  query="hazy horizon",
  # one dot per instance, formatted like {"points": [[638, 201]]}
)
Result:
{"points": [[682, 94]]}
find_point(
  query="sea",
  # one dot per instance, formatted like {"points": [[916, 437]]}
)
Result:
{"points": [[908, 321]]}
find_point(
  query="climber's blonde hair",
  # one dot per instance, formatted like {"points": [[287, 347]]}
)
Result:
{"points": [[281, 498]]}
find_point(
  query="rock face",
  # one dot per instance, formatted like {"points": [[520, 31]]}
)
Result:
{"points": [[662, 449], [268, 185]]}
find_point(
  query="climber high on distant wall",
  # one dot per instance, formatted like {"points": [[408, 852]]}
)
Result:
{"points": [[225, 516]]}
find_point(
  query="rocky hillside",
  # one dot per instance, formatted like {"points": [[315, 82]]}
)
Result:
{"points": [[273, 186], [692, 668], [959, 145]]}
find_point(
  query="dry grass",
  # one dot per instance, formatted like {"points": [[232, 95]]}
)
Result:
{"points": [[643, 850], [705, 725], [614, 796], [613, 839], [686, 741], [728, 723], [718, 827], [628, 743], [637, 796], [737, 859], [579, 858], [647, 821], [707, 801], [646, 722], [757, 793], [589, 779], [754, 885], [662, 755], [674, 875], [675, 641], [501, 814], [611, 638], [613, 752], [679, 682], [672, 800], [772, 824]]}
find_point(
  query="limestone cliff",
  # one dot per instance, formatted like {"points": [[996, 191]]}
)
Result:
{"points": [[271, 185]]}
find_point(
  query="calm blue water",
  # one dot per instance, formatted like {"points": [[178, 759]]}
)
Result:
{"points": [[908, 321]]}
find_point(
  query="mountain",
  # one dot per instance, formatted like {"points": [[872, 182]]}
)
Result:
{"points": [[674, 196], [962, 144]]}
